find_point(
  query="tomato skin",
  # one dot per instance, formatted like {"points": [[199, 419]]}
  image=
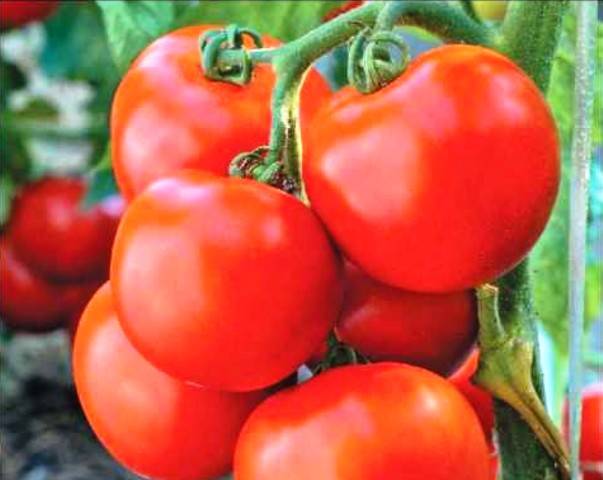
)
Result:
{"points": [[480, 399], [433, 331], [444, 179], [591, 444], [54, 234], [240, 276], [29, 302], [364, 422], [202, 126], [18, 13], [150, 422]]}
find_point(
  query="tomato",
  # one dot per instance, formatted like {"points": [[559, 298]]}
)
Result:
{"points": [[195, 122], [15, 13], [479, 398], [444, 179], [591, 444], [58, 237], [29, 302], [239, 276], [364, 422], [494, 466], [490, 9], [433, 331], [153, 424]]}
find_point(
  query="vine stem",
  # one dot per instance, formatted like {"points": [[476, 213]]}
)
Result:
{"points": [[580, 163]]}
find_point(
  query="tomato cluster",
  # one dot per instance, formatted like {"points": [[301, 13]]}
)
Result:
{"points": [[54, 253], [222, 287]]}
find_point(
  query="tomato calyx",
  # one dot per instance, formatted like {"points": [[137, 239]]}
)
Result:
{"points": [[339, 354], [215, 45], [254, 165], [376, 59]]}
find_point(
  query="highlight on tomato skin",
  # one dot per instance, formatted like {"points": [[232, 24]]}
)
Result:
{"points": [[364, 422], [239, 276], [456, 198], [433, 331], [204, 126], [591, 444], [151, 423], [60, 238]]}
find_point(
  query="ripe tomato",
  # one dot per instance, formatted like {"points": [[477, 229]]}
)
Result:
{"points": [[29, 302], [480, 399], [444, 179], [54, 234], [370, 422], [591, 441], [195, 122], [240, 277], [15, 13], [433, 331], [150, 422]]}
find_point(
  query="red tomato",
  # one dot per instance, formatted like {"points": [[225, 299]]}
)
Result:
{"points": [[150, 422], [444, 179], [15, 13], [480, 399], [29, 302], [494, 461], [433, 331], [54, 234], [239, 276], [591, 441], [167, 116], [364, 422]]}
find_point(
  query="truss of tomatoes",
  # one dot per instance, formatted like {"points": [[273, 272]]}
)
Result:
{"points": [[222, 287]]}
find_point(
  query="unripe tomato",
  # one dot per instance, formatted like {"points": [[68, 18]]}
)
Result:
{"points": [[29, 302], [167, 116], [490, 9], [479, 398], [16, 13], [60, 238], [371, 422], [153, 424], [442, 180], [433, 331], [591, 440], [239, 276]]}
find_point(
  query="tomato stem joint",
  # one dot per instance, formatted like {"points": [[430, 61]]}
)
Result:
{"points": [[223, 54]]}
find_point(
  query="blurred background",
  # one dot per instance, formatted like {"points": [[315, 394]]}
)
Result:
{"points": [[57, 75]]}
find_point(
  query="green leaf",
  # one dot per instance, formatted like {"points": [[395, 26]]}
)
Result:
{"points": [[284, 20], [7, 190], [131, 26], [76, 46], [101, 181]]}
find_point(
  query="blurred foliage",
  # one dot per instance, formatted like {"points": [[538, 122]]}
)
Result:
{"points": [[550, 256], [76, 48]]}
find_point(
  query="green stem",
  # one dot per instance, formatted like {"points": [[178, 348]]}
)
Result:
{"points": [[506, 364], [581, 154]]}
